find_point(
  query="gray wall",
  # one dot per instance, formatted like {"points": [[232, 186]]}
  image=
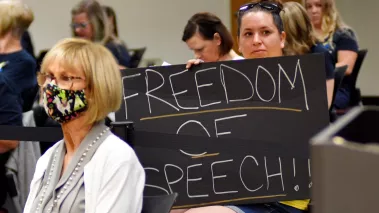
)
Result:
{"points": [[158, 25], [360, 16]]}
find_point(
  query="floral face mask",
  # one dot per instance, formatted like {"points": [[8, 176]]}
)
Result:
{"points": [[63, 105]]}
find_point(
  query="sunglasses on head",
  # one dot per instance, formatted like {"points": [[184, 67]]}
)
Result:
{"points": [[270, 6]]}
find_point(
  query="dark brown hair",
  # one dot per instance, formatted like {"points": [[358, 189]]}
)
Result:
{"points": [[207, 24]]}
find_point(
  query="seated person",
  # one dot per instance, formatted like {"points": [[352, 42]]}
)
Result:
{"points": [[339, 39], [257, 43], [90, 169], [17, 74], [301, 39], [209, 39], [89, 22]]}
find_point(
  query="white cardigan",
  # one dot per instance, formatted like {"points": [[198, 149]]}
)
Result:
{"points": [[114, 179]]}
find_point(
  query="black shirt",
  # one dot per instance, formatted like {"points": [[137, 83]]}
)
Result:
{"points": [[329, 63], [120, 52]]}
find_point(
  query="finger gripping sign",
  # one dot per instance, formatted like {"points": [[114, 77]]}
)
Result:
{"points": [[227, 132]]}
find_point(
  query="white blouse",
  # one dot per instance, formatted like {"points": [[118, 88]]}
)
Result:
{"points": [[114, 179]]}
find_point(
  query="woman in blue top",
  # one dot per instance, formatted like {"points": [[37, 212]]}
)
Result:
{"points": [[339, 39], [301, 39], [17, 76]]}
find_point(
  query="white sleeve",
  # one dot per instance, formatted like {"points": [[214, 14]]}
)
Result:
{"points": [[122, 188]]}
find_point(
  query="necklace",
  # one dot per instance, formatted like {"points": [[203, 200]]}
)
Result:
{"points": [[73, 174]]}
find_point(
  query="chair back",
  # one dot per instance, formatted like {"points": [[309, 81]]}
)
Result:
{"points": [[358, 64], [136, 56], [158, 204], [355, 96], [339, 74]]}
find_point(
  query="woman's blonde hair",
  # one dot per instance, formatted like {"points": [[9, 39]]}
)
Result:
{"points": [[102, 74], [16, 17], [98, 19], [298, 27], [331, 20]]}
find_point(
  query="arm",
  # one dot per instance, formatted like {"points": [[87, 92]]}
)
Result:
{"points": [[6, 145], [346, 57], [347, 48], [11, 114], [122, 189], [329, 91]]}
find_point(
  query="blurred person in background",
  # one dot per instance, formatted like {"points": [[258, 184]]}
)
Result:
{"points": [[17, 75], [339, 39], [89, 21], [301, 39]]}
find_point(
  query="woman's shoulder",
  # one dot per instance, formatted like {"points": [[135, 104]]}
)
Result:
{"points": [[345, 33], [115, 44], [44, 159], [115, 150]]}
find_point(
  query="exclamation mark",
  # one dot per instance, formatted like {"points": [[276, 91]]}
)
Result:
{"points": [[309, 173], [294, 173]]}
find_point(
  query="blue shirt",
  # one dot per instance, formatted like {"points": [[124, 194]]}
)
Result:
{"points": [[17, 75], [329, 63], [120, 52]]}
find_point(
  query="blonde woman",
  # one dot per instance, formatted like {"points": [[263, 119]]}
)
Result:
{"points": [[301, 39], [17, 75], [89, 21], [90, 169], [338, 38]]}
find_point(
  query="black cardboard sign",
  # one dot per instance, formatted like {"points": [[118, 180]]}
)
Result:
{"points": [[227, 132]]}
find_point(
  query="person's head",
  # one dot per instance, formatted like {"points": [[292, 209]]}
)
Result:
{"points": [[86, 69], [89, 22], [260, 30], [112, 19], [207, 36], [324, 15], [15, 18], [300, 36]]}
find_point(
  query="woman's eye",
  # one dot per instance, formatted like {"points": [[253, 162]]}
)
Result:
{"points": [[266, 32], [48, 76], [66, 78]]}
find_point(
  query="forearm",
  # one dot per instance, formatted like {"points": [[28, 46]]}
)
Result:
{"points": [[6, 145], [329, 91], [347, 58]]}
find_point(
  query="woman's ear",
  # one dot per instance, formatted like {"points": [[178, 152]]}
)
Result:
{"points": [[283, 36], [217, 38]]}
